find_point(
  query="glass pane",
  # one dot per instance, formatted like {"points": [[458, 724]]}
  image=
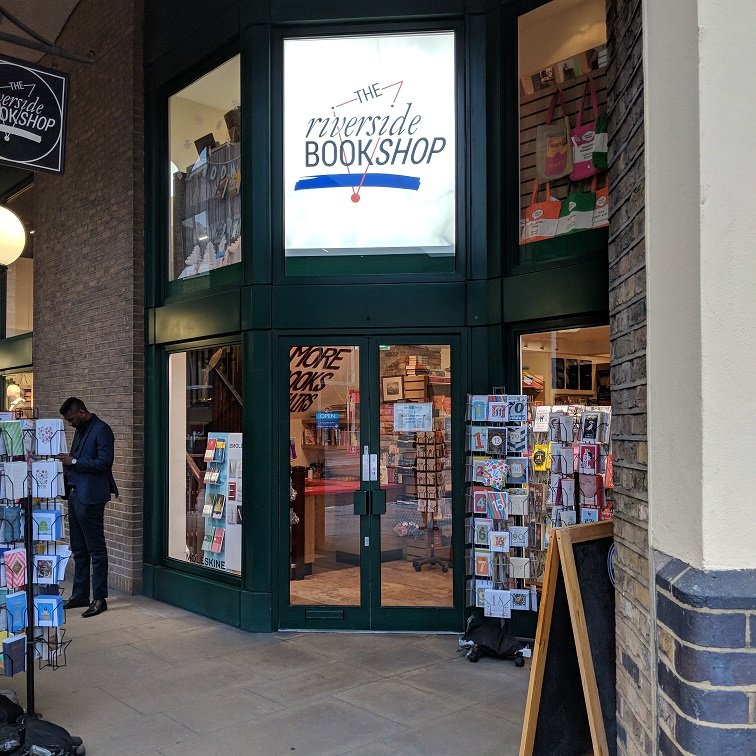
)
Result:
{"points": [[205, 157], [19, 393], [562, 57], [19, 287], [415, 472], [205, 457], [324, 423], [370, 154], [566, 367]]}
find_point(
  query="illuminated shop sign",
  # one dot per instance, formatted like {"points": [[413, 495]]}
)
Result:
{"points": [[32, 116], [369, 145]]}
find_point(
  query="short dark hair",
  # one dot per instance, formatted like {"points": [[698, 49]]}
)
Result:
{"points": [[72, 403]]}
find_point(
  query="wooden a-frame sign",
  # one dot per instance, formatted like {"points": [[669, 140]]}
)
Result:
{"points": [[570, 708]]}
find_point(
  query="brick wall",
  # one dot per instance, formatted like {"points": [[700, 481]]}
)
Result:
{"points": [[706, 625], [89, 258], [636, 645]]}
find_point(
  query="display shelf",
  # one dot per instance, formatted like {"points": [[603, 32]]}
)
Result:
{"points": [[32, 556]]}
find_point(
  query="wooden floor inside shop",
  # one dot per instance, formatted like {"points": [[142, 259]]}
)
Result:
{"points": [[401, 585]]}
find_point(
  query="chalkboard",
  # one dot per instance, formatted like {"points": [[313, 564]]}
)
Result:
{"points": [[570, 709]]}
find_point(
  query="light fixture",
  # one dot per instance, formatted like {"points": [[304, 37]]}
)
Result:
{"points": [[12, 237]]}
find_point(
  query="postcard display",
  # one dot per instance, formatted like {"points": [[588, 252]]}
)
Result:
{"points": [[32, 559], [222, 508], [500, 525], [571, 468], [529, 470]]}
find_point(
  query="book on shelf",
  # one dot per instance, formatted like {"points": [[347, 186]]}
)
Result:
{"points": [[218, 536]]}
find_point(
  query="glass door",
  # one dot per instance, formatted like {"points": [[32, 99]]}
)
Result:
{"points": [[368, 503]]}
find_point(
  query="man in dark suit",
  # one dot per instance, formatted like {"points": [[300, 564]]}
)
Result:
{"points": [[89, 484]]}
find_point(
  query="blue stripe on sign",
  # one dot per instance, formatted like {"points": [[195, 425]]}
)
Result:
{"points": [[386, 180]]}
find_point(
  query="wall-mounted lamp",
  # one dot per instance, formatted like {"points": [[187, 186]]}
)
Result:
{"points": [[12, 237]]}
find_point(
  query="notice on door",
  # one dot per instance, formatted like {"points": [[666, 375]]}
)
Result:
{"points": [[413, 417]]}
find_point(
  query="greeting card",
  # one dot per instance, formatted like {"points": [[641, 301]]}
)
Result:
{"points": [[591, 490], [541, 457], [517, 472], [11, 438], [479, 497], [478, 407], [498, 540], [588, 458], [589, 514], [14, 654], [497, 505], [520, 599], [15, 475], [15, 568], [567, 492], [519, 567], [497, 603], [49, 437], [541, 420], [497, 440], [48, 611], [497, 408], [477, 438], [518, 502], [517, 440], [47, 524], [495, 473], [481, 527], [518, 536], [481, 586], [45, 569], [517, 408], [483, 562], [15, 608]]}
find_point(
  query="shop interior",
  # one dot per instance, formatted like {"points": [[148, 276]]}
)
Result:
{"points": [[414, 472]]}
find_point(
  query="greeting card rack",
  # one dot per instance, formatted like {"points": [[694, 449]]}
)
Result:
{"points": [[32, 562], [571, 468], [499, 527]]}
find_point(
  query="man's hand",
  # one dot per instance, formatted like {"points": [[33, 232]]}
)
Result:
{"points": [[66, 459]]}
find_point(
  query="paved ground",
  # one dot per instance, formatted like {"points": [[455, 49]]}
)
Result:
{"points": [[145, 678]]}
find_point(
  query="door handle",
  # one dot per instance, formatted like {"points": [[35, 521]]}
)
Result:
{"points": [[378, 502], [360, 502]]}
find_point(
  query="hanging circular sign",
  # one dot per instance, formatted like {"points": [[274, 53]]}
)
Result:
{"points": [[32, 116]]}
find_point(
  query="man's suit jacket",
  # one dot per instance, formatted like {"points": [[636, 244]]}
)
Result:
{"points": [[93, 447]]}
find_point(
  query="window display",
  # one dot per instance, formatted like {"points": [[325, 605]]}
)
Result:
{"points": [[563, 130], [19, 393], [205, 457], [205, 156], [19, 276]]}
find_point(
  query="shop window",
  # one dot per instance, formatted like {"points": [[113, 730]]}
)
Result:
{"points": [[19, 393], [205, 174], [19, 276], [566, 367], [370, 154], [563, 194], [205, 457]]}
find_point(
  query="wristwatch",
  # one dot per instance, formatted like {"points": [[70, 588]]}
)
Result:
{"points": [[73, 460]]}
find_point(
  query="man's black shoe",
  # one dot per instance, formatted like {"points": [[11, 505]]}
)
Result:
{"points": [[75, 603], [98, 606]]}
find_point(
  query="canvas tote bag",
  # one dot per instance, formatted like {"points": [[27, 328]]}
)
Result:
{"points": [[583, 137], [601, 211], [540, 217], [553, 149], [576, 212]]}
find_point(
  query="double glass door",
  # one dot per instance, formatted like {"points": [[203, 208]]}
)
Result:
{"points": [[368, 504]]}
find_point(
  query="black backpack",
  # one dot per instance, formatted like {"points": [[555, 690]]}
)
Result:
{"points": [[489, 638]]}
